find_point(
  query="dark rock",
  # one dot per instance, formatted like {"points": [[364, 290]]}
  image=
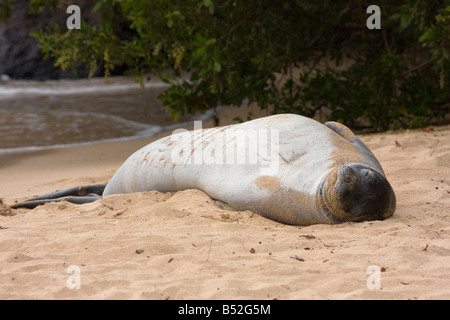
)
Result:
{"points": [[20, 57]]}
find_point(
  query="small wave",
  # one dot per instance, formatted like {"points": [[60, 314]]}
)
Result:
{"points": [[71, 87]]}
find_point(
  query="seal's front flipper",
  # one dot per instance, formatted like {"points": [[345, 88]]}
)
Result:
{"points": [[78, 195], [363, 150]]}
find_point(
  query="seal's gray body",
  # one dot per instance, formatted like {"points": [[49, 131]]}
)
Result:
{"points": [[284, 167]]}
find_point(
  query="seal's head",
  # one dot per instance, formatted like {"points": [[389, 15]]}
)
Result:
{"points": [[360, 193]]}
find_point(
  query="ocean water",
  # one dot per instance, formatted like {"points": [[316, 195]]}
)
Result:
{"points": [[41, 115]]}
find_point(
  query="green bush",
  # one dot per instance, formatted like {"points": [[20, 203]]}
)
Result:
{"points": [[230, 50]]}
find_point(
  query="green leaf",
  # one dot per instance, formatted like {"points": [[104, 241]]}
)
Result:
{"points": [[217, 66], [210, 42], [201, 52], [174, 115], [211, 8], [210, 5]]}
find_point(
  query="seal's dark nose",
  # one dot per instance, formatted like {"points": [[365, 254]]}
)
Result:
{"points": [[372, 197]]}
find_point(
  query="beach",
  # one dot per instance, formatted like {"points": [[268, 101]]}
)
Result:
{"points": [[182, 245]]}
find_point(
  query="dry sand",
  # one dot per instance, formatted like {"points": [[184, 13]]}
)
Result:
{"points": [[183, 246]]}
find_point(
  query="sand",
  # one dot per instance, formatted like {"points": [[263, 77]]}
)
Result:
{"points": [[182, 245]]}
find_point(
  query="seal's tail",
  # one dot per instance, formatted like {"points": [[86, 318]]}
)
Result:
{"points": [[79, 195]]}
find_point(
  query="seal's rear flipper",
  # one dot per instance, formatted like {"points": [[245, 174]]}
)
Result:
{"points": [[30, 204], [348, 135], [78, 195]]}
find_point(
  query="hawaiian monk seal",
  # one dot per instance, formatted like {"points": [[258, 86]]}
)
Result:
{"points": [[286, 167]]}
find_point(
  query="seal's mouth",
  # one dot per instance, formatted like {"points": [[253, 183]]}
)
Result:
{"points": [[364, 193]]}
